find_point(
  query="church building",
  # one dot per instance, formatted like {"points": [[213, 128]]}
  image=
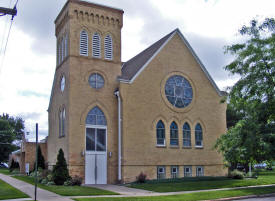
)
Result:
{"points": [[159, 113]]}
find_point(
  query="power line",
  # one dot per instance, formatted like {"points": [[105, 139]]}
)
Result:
{"points": [[4, 52]]}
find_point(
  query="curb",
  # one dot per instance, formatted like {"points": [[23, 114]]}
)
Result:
{"points": [[244, 197]]}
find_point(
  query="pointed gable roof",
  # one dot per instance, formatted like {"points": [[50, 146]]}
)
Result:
{"points": [[132, 68]]}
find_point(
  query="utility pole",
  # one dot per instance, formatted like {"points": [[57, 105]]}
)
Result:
{"points": [[8, 11]]}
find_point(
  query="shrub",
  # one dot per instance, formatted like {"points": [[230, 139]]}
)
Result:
{"points": [[50, 183], [76, 181], [50, 177], [44, 181], [40, 159], [141, 178], [236, 174], [68, 182], [60, 171]]}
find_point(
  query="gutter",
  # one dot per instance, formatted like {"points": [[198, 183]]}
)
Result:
{"points": [[119, 134]]}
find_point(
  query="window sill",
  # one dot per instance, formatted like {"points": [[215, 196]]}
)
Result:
{"points": [[174, 147], [63, 136], [161, 146], [199, 147], [187, 147]]}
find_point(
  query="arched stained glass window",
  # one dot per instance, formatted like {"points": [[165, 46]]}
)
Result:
{"points": [[174, 137], [83, 45], [108, 47], [160, 133], [96, 117], [186, 135], [96, 43], [198, 135]]}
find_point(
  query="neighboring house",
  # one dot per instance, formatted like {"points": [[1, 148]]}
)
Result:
{"points": [[159, 113], [25, 156], [28, 151]]}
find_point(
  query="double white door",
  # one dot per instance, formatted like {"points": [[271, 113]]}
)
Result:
{"points": [[96, 156]]}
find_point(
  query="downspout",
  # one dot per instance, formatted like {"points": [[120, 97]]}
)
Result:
{"points": [[119, 135]]}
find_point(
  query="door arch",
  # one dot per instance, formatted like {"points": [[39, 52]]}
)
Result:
{"points": [[96, 147]]}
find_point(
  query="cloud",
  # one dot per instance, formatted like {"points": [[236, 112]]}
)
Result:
{"points": [[29, 93]]}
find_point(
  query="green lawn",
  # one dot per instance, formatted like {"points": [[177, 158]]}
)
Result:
{"points": [[192, 196], [264, 178], [5, 171], [67, 190], [9, 192]]}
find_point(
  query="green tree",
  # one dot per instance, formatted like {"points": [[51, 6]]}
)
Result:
{"points": [[40, 159], [60, 170], [252, 137], [11, 130]]}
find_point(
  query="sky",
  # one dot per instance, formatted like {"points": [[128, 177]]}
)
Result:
{"points": [[28, 65]]}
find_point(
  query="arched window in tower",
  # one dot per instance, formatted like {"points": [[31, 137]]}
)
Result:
{"points": [[83, 45], [160, 133], [66, 46], [59, 51], [96, 117], [63, 121], [60, 123], [198, 135], [62, 49], [108, 47], [186, 135], [174, 137], [96, 45]]}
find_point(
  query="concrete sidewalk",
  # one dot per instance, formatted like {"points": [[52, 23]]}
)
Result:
{"points": [[42, 195]]}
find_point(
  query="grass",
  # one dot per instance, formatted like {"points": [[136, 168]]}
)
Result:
{"points": [[5, 171], [9, 192], [182, 185], [67, 190], [192, 196]]}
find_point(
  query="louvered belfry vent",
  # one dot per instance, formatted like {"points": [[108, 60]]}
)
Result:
{"points": [[108, 47], [83, 47], [96, 45]]}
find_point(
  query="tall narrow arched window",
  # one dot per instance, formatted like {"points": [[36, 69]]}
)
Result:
{"points": [[83, 44], [198, 135], [66, 46], [96, 45], [62, 49], [59, 52], [108, 47], [160, 133], [174, 136], [96, 117], [60, 123], [186, 135], [63, 121]]}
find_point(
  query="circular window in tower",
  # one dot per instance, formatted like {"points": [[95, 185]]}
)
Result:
{"points": [[178, 91], [62, 83], [96, 81]]}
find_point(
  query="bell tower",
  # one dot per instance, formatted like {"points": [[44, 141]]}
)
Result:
{"points": [[88, 63]]}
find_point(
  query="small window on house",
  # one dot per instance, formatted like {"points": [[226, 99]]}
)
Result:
{"points": [[83, 44], [174, 139], [199, 171], [174, 172], [198, 135], [96, 45], [186, 135], [187, 171], [161, 172], [108, 47], [160, 133], [63, 121]]}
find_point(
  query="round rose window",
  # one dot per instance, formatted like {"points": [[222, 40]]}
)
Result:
{"points": [[178, 91]]}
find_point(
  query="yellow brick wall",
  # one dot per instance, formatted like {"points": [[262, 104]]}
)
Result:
{"points": [[144, 104]]}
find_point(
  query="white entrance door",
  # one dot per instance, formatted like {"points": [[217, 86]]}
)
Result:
{"points": [[96, 155]]}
